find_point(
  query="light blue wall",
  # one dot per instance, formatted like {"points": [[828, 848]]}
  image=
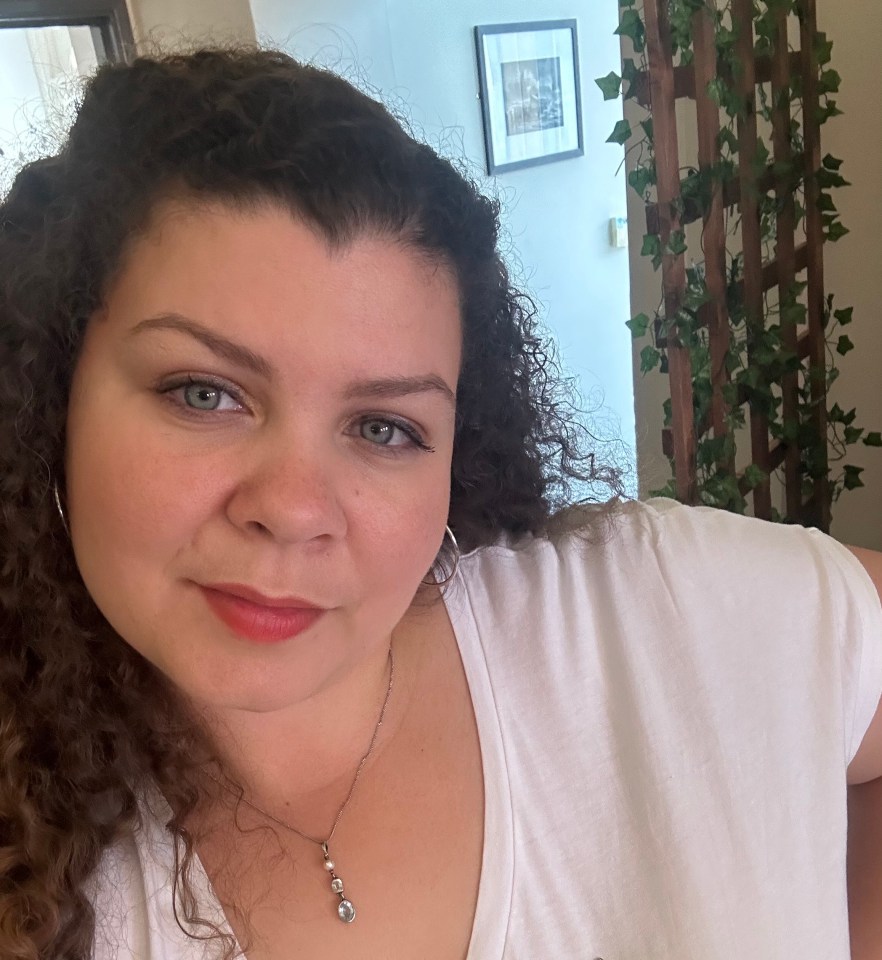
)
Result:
{"points": [[420, 55]]}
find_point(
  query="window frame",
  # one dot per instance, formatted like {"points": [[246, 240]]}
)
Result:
{"points": [[109, 18]]}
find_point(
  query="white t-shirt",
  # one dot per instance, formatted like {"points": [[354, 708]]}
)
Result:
{"points": [[665, 718]]}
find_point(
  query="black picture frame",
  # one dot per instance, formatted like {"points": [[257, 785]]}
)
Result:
{"points": [[530, 94]]}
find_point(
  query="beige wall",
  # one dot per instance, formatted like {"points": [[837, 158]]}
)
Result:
{"points": [[854, 265], [853, 270], [173, 23]]}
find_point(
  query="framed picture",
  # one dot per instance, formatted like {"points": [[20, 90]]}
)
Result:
{"points": [[529, 75]]}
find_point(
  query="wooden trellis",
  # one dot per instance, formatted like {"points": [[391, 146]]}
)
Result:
{"points": [[658, 90]]}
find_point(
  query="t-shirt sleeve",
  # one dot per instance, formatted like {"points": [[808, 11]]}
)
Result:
{"points": [[860, 615], [798, 580]]}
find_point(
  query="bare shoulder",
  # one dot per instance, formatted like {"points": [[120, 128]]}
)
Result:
{"points": [[867, 763]]}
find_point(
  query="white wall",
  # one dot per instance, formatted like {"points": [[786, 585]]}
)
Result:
{"points": [[420, 55]]}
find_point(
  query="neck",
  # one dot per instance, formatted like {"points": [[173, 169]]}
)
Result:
{"points": [[298, 763]]}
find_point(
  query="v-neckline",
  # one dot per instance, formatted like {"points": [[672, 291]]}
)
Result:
{"points": [[496, 884]]}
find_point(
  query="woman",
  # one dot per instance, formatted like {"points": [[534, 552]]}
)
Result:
{"points": [[295, 629]]}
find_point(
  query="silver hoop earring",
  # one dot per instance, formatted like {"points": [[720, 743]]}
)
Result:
{"points": [[456, 555], [59, 507]]}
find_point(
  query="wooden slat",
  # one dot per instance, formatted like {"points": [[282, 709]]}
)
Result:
{"points": [[820, 510], [661, 86], [714, 229], [658, 88], [777, 455], [786, 254], [770, 278], [702, 426], [772, 271], [749, 193], [731, 197], [684, 79]]}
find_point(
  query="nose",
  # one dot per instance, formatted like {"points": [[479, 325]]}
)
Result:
{"points": [[287, 495]]}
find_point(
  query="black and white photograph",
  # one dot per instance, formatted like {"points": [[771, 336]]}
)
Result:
{"points": [[533, 99]]}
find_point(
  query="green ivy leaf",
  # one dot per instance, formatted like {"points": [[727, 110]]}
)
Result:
{"points": [[754, 476], [828, 111], [610, 85], [651, 246], [873, 439], [790, 431], [621, 133], [677, 243], [853, 434], [716, 90], [836, 231], [825, 203], [844, 316], [749, 377], [793, 313], [696, 297], [831, 163], [648, 129], [762, 153], [823, 49], [852, 478], [829, 178], [649, 359], [844, 345], [641, 178], [638, 325], [631, 26], [630, 73], [829, 82], [727, 138]]}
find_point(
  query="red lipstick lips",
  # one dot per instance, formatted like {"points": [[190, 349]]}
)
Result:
{"points": [[252, 616]]}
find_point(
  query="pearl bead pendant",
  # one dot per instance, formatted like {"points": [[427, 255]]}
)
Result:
{"points": [[345, 908]]}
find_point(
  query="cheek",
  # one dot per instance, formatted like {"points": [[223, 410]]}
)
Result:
{"points": [[396, 528], [129, 503]]}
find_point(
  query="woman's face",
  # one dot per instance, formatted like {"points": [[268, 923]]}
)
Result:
{"points": [[260, 426]]}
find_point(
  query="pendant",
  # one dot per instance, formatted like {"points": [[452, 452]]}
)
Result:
{"points": [[345, 909]]}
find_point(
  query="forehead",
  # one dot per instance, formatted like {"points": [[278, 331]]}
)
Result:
{"points": [[262, 241], [265, 276]]}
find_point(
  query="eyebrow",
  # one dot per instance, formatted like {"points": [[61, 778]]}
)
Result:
{"points": [[374, 388], [388, 387], [221, 346]]}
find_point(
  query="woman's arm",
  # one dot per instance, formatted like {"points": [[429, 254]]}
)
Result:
{"points": [[865, 869], [865, 821]]}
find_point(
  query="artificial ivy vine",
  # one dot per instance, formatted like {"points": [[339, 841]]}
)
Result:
{"points": [[770, 358]]}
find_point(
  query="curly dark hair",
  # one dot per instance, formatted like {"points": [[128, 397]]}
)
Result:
{"points": [[83, 718]]}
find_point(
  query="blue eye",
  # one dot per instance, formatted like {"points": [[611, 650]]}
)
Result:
{"points": [[201, 396], [389, 433]]}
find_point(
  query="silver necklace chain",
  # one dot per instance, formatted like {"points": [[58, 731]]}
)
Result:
{"points": [[345, 908]]}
